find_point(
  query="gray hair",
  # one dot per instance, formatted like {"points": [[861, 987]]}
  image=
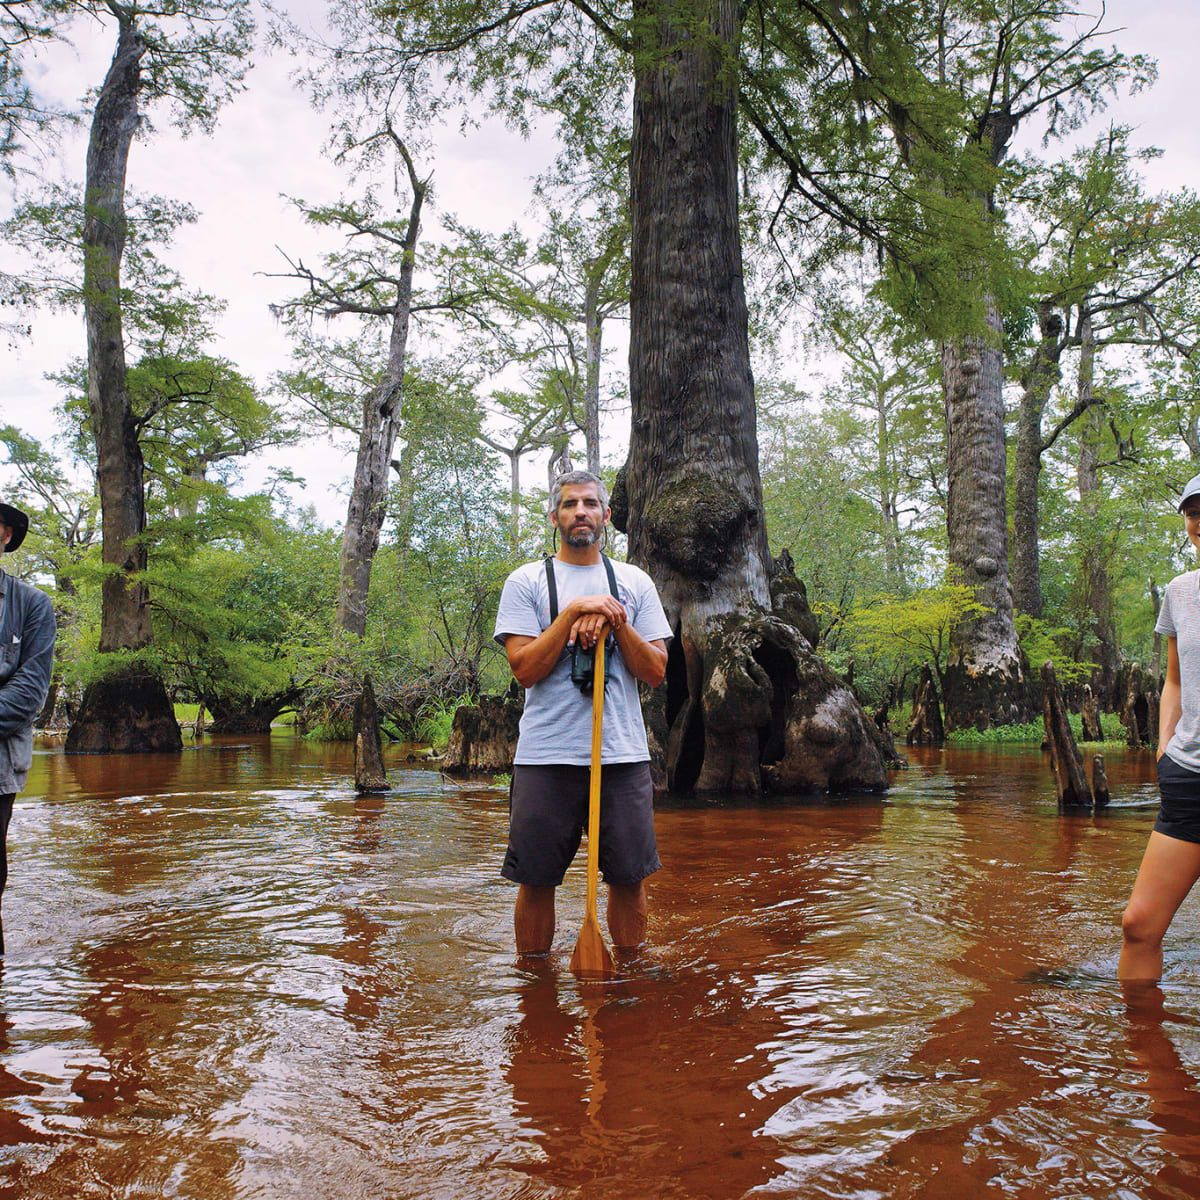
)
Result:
{"points": [[576, 479]]}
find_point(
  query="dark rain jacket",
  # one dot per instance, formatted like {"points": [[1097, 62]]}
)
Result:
{"points": [[26, 659]]}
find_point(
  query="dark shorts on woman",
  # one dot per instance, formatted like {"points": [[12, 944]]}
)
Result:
{"points": [[1179, 787], [548, 812]]}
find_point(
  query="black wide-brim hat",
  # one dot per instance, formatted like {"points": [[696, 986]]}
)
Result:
{"points": [[17, 521]]}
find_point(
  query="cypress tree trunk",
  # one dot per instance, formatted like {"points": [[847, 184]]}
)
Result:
{"points": [[381, 413], [1096, 580], [593, 335], [985, 685], [130, 711], [747, 706], [381, 416], [1037, 382]]}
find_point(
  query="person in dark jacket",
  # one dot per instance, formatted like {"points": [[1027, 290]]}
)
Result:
{"points": [[26, 660]]}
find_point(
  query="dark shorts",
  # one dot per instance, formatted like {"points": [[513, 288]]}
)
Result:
{"points": [[1179, 787], [548, 812]]}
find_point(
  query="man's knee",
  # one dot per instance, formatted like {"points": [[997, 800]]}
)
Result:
{"points": [[628, 895]]}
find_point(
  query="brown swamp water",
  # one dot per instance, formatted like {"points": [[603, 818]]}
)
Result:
{"points": [[227, 977]]}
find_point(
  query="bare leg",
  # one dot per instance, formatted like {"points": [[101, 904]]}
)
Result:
{"points": [[6, 807], [534, 919], [1169, 868], [627, 915]]}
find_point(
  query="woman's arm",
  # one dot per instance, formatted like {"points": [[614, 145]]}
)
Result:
{"points": [[1170, 705]]}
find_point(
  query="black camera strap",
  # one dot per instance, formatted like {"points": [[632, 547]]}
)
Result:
{"points": [[552, 586]]}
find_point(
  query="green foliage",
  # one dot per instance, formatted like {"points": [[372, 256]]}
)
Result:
{"points": [[1034, 733], [247, 616], [1031, 733], [908, 631], [1041, 641], [434, 721]]}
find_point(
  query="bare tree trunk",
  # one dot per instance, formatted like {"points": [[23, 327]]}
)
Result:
{"points": [[559, 462], [1037, 383], [886, 493], [1097, 582], [129, 712], [381, 418], [747, 706], [514, 498], [1156, 604], [593, 334], [985, 685]]}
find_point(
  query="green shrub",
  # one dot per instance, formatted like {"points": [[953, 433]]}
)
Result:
{"points": [[434, 721]]}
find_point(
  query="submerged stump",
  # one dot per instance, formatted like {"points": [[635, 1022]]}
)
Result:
{"points": [[483, 738], [128, 712], [1139, 713], [1069, 777], [892, 757], [1089, 712], [369, 775], [1100, 793], [925, 727]]}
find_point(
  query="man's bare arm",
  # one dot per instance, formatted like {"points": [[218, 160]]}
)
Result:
{"points": [[646, 661], [532, 658]]}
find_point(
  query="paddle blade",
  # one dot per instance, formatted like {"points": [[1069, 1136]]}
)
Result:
{"points": [[591, 959]]}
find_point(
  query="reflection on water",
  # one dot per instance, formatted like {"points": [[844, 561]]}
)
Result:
{"points": [[229, 978]]}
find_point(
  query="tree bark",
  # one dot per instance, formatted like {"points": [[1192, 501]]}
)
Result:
{"points": [[243, 714], [1096, 579], [369, 773], [483, 738], [985, 684], [1100, 793], [593, 333], [130, 711], [925, 726], [1089, 713], [747, 706], [381, 418], [559, 462], [381, 415], [1156, 605], [1070, 779], [1139, 709], [1043, 374], [887, 492]]}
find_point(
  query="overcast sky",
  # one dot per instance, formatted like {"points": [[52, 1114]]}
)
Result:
{"points": [[269, 144]]}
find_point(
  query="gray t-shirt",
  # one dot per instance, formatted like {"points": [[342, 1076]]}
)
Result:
{"points": [[556, 726], [1179, 618]]}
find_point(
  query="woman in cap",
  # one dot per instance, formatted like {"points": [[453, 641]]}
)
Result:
{"points": [[1171, 864]]}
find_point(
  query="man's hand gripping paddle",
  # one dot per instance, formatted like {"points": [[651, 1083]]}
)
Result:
{"points": [[591, 959]]}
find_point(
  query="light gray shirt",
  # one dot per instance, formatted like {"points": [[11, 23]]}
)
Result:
{"points": [[556, 726], [1179, 618]]}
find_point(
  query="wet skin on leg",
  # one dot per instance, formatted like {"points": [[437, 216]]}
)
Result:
{"points": [[533, 920], [1169, 868], [627, 915]]}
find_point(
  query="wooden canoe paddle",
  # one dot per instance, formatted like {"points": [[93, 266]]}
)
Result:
{"points": [[591, 959]]}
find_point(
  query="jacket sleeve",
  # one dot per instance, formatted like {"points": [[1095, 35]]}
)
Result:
{"points": [[24, 692]]}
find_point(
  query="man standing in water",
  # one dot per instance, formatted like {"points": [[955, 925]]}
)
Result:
{"points": [[548, 610], [26, 660]]}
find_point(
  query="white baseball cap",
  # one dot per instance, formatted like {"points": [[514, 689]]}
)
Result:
{"points": [[1192, 489]]}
